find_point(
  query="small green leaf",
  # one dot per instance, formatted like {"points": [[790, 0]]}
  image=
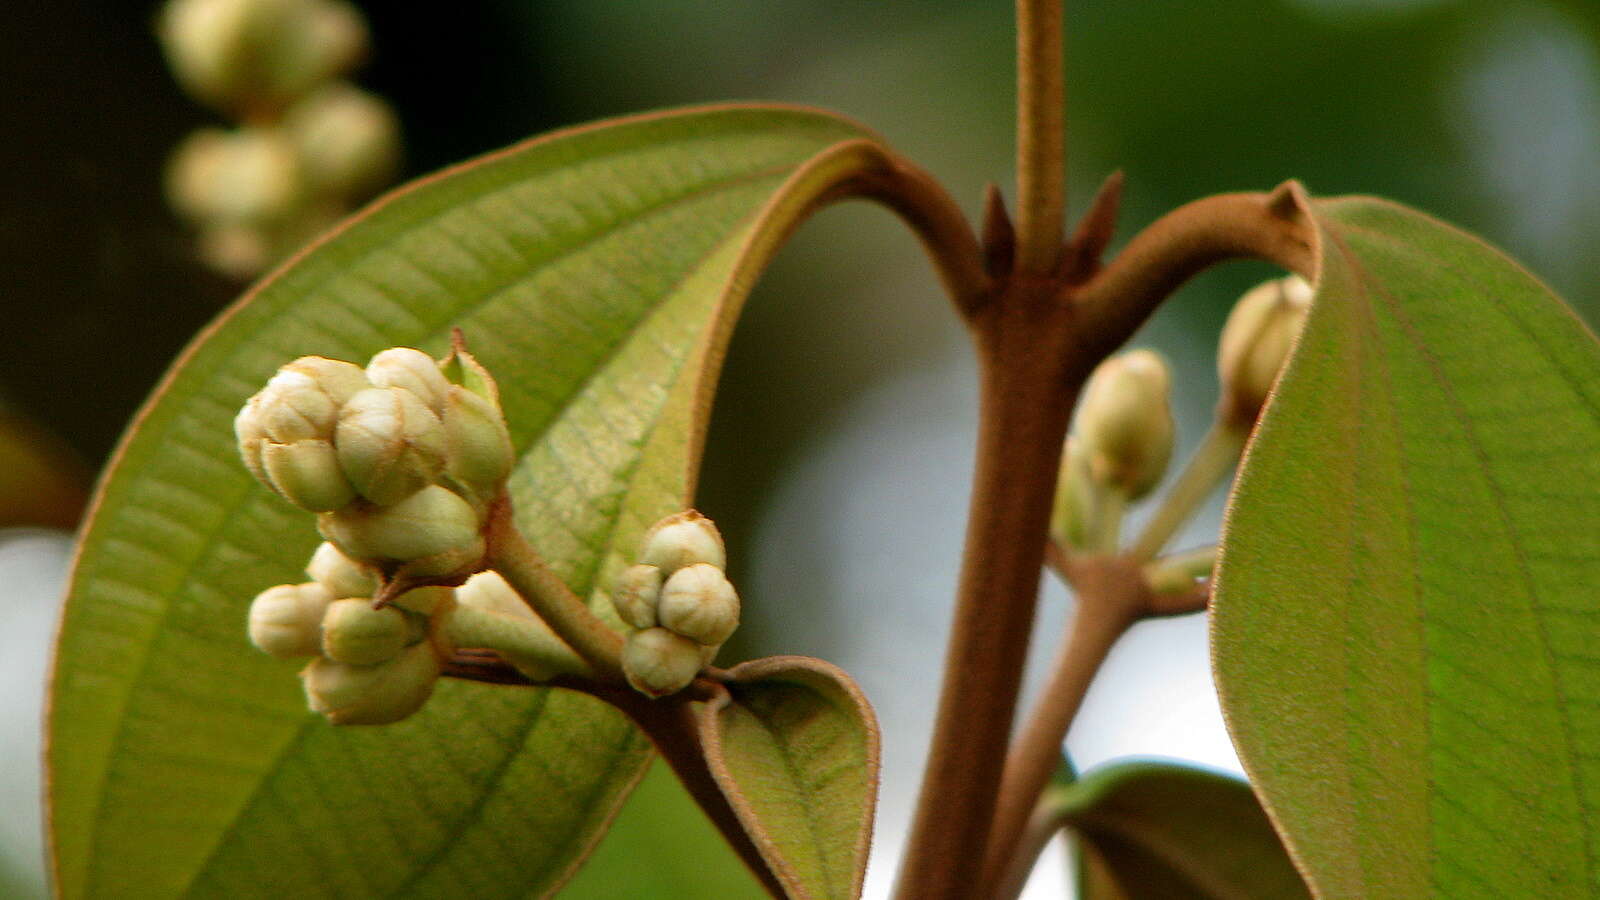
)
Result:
{"points": [[1153, 830], [794, 747], [1407, 629], [595, 272], [662, 847]]}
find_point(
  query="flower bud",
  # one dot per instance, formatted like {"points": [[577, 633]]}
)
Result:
{"points": [[699, 603], [432, 522], [286, 621], [248, 177], [372, 695], [479, 453], [355, 633], [636, 593], [488, 590], [426, 600], [1125, 422], [341, 575], [489, 613], [307, 474], [1260, 332], [658, 662], [1076, 493], [240, 55], [683, 539], [404, 367], [390, 444], [349, 140], [300, 402]]}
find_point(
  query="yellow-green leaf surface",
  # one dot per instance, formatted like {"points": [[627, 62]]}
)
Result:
{"points": [[1158, 830], [662, 847], [595, 272], [1407, 613], [795, 749]]}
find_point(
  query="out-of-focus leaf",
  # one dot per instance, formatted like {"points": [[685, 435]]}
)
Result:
{"points": [[42, 482], [795, 748], [1406, 617], [596, 273], [662, 847], [1157, 830]]}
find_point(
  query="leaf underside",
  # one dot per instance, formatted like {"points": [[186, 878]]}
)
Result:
{"points": [[1157, 830], [593, 272], [795, 749], [1407, 614]]}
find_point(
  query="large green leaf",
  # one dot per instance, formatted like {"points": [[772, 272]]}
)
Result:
{"points": [[1158, 830], [596, 272], [795, 748], [662, 847], [1407, 627]]}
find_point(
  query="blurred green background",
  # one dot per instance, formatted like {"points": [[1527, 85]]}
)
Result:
{"points": [[839, 451]]}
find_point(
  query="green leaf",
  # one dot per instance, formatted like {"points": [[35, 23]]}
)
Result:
{"points": [[1157, 830], [595, 272], [1406, 619], [662, 847], [795, 748]]}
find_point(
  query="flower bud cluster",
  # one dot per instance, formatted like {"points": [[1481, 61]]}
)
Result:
{"points": [[371, 666], [312, 144], [680, 601], [400, 461]]}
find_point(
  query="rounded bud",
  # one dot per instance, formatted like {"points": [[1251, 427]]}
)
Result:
{"points": [[390, 443], [286, 621], [299, 403], [658, 662], [349, 140], [1260, 332], [250, 54], [699, 603], [479, 453], [1125, 422], [353, 632], [340, 574], [683, 539], [248, 177], [372, 695], [1074, 505], [429, 523], [636, 593], [413, 370], [307, 474]]}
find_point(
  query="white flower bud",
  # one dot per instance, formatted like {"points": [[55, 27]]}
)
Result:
{"points": [[479, 456], [299, 403], [286, 621], [307, 474], [248, 177], [242, 55], [489, 613], [417, 372], [1125, 422], [699, 603], [340, 574], [355, 633], [490, 591], [683, 539], [429, 523], [390, 444], [1260, 332], [349, 140], [372, 695], [636, 593], [658, 662]]}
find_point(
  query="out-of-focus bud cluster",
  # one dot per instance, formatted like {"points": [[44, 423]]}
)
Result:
{"points": [[307, 145], [400, 461], [680, 602], [1260, 332]]}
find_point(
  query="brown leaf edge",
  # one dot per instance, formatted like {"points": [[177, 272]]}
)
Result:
{"points": [[829, 680]]}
